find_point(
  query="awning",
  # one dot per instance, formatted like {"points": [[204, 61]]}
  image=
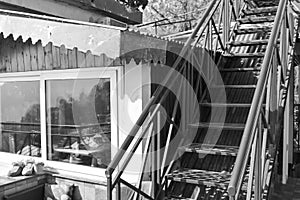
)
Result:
{"points": [[99, 39], [96, 39]]}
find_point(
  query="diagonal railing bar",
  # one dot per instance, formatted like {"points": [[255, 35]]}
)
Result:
{"points": [[233, 10], [205, 20], [181, 66], [256, 117], [218, 35], [136, 189], [148, 144]]}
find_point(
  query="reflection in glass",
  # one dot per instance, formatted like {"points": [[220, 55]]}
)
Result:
{"points": [[78, 121], [20, 118]]}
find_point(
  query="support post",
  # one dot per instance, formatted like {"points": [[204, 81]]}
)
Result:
{"points": [[283, 47], [288, 130], [226, 23], [273, 98], [258, 164], [286, 140], [237, 7], [154, 159], [109, 187]]}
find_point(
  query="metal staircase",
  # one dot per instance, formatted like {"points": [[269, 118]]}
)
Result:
{"points": [[232, 154], [240, 73]]}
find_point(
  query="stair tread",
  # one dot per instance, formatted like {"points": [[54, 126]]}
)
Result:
{"points": [[249, 20], [201, 177], [248, 42], [248, 30], [226, 104], [236, 86], [263, 10], [267, 3], [233, 126], [240, 105], [211, 149], [244, 55], [238, 69]]}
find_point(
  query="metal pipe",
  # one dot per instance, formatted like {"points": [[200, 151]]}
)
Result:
{"points": [[109, 187], [256, 103], [155, 97], [257, 184], [226, 22]]}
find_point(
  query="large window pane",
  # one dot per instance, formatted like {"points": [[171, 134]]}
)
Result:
{"points": [[78, 121], [20, 118]]}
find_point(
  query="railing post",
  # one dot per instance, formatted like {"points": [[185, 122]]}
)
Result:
{"points": [[118, 191], [288, 131], [154, 157], [158, 158], [283, 46], [109, 187], [258, 164], [237, 7], [273, 109], [226, 23]]}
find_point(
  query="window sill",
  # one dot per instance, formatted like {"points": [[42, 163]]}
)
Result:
{"points": [[76, 176]]}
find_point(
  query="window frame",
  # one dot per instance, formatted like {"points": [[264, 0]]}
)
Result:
{"points": [[80, 73]]}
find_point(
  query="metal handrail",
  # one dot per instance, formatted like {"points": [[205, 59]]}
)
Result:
{"points": [[252, 120], [155, 97], [156, 100], [132, 141]]}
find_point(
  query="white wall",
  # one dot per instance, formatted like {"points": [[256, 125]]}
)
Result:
{"points": [[134, 95]]}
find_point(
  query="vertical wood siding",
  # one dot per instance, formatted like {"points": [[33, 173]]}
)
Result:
{"points": [[20, 56]]}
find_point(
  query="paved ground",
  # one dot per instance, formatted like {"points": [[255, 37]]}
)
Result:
{"points": [[290, 191]]}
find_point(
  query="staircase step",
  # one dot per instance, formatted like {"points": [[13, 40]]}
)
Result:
{"points": [[249, 42], [250, 30], [256, 20], [245, 55], [201, 177], [239, 69], [267, 3], [211, 149], [264, 10], [240, 105], [224, 126], [236, 86], [178, 197]]}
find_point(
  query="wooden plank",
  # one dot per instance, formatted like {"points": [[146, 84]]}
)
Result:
{"points": [[2, 68], [3, 55], [103, 60], [26, 54], [63, 54], [7, 53], [56, 59], [72, 59], [13, 56], [20, 57], [33, 57], [98, 61], [40, 56], [90, 61], [81, 59], [49, 56]]}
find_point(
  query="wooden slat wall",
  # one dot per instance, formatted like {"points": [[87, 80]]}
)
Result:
{"points": [[19, 56]]}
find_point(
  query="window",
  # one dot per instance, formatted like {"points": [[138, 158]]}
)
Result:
{"points": [[78, 121], [20, 118], [64, 117]]}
